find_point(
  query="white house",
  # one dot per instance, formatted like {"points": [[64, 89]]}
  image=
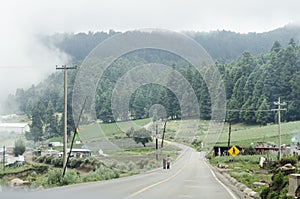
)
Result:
{"points": [[19, 128]]}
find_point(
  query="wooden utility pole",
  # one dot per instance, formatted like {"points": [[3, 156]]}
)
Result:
{"points": [[74, 137], [156, 141], [163, 135], [229, 135], [279, 123], [65, 142], [3, 158]]}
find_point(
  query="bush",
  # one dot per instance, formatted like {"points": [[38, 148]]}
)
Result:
{"points": [[48, 159], [288, 159], [142, 163], [264, 193], [197, 144], [57, 161], [273, 195], [279, 181], [122, 166], [71, 177], [54, 178], [75, 162], [131, 166], [19, 148], [41, 159], [101, 173], [249, 151]]}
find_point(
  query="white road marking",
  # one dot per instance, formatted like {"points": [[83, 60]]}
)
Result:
{"points": [[226, 188]]}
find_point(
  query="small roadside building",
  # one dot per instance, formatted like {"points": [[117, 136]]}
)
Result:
{"points": [[81, 153], [18, 128]]}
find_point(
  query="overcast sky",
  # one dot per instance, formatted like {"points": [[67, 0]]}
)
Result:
{"points": [[25, 61]]}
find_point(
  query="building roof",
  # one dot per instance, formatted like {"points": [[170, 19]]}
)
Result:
{"points": [[80, 150], [13, 125]]}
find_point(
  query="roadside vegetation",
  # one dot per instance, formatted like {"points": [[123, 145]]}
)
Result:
{"points": [[131, 156]]}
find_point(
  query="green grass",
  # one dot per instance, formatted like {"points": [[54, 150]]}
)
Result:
{"points": [[244, 135], [98, 131], [187, 130], [241, 134], [245, 169], [13, 169]]}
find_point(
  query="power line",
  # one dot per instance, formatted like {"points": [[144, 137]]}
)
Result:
{"points": [[247, 110]]}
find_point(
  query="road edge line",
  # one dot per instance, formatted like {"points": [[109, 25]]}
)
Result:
{"points": [[219, 181]]}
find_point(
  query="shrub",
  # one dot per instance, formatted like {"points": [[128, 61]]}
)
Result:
{"points": [[19, 148], [272, 195], [57, 161], [48, 159], [279, 181], [71, 177], [249, 151], [197, 144], [101, 173], [142, 163], [75, 162], [264, 193], [41, 159], [288, 159], [131, 166], [122, 166], [54, 178]]}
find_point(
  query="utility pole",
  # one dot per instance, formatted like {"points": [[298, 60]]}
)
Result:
{"points": [[74, 136], [229, 134], [65, 142], [156, 141], [279, 121], [3, 158], [163, 135]]}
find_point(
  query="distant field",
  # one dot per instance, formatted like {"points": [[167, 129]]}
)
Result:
{"points": [[99, 131], [241, 134], [187, 130]]}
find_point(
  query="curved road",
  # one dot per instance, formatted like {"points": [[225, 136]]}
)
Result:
{"points": [[189, 177]]}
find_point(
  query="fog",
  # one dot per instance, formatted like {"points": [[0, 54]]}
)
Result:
{"points": [[26, 61]]}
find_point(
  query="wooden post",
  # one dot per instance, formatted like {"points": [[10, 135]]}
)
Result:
{"points": [[229, 134], [3, 158]]}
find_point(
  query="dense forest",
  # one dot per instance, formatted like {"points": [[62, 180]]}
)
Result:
{"points": [[224, 46], [254, 79]]}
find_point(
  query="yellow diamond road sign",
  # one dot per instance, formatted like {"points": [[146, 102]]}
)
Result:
{"points": [[233, 151]]}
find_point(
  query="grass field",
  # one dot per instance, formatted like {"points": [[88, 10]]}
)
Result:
{"points": [[241, 134], [99, 131], [188, 130], [244, 135]]}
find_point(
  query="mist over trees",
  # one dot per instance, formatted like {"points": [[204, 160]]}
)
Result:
{"points": [[256, 69], [222, 45]]}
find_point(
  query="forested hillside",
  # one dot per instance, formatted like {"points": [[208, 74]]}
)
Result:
{"points": [[223, 46], [253, 81]]}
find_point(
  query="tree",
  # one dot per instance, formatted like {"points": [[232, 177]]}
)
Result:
{"points": [[276, 47], [51, 122], [19, 148], [142, 136], [37, 127], [263, 115], [138, 105]]}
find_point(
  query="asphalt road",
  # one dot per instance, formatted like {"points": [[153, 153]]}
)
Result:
{"points": [[189, 177]]}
